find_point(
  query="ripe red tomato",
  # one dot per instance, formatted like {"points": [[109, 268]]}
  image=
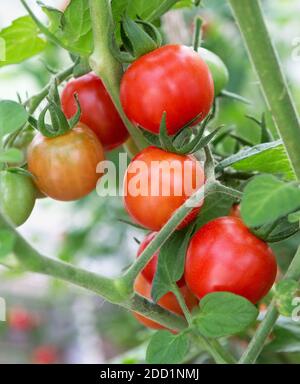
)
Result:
{"points": [[45, 354], [157, 183], [235, 211], [225, 256], [149, 271], [168, 301], [20, 319], [65, 166], [97, 109], [171, 79]]}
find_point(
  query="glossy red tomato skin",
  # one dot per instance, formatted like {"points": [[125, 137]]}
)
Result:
{"points": [[97, 109], [150, 269], [168, 301], [225, 256], [171, 79], [153, 211], [64, 167]]}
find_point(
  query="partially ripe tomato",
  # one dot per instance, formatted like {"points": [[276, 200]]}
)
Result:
{"points": [[157, 183], [171, 79], [225, 256], [217, 68], [97, 109], [149, 271], [17, 196], [168, 301], [45, 354], [65, 166]]}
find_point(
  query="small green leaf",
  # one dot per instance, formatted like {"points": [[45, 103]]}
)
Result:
{"points": [[215, 205], [11, 155], [166, 348], [285, 292], [22, 41], [12, 116], [224, 314], [263, 158], [7, 242], [267, 199], [73, 28], [171, 262]]}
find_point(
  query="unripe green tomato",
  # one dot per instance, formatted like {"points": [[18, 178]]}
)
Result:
{"points": [[22, 142], [217, 68], [17, 196]]}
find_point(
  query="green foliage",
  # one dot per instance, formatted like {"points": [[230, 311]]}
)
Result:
{"points": [[286, 291], [12, 117], [22, 41], [267, 199], [263, 158], [166, 348], [171, 262], [224, 314]]}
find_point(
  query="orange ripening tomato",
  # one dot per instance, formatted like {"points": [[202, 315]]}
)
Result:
{"points": [[168, 301], [157, 183], [64, 167]]}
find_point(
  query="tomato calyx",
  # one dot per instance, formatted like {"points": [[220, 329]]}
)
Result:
{"points": [[139, 37], [186, 141], [60, 125]]}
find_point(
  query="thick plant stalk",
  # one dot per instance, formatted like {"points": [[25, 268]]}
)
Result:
{"points": [[248, 15], [105, 65]]}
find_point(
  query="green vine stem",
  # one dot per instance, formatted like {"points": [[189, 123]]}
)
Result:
{"points": [[36, 100], [165, 6], [248, 14], [105, 65]]}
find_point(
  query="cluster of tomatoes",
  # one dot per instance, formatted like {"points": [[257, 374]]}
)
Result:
{"points": [[223, 255]]}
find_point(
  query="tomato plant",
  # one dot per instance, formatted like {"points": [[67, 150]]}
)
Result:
{"points": [[164, 175], [97, 109], [222, 205], [65, 167], [17, 196], [225, 256], [171, 79]]}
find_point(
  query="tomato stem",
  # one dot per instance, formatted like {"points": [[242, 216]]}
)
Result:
{"points": [[182, 304], [105, 65], [165, 6]]}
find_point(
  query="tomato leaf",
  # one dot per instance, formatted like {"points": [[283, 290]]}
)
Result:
{"points": [[11, 155], [7, 242], [267, 199], [166, 348], [264, 158], [171, 262], [73, 27], [21, 41], [12, 117], [215, 205], [224, 314]]}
